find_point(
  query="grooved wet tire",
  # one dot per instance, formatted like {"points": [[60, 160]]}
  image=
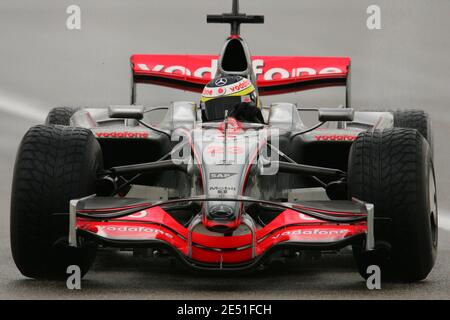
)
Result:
{"points": [[414, 119], [393, 169], [60, 116], [53, 165]]}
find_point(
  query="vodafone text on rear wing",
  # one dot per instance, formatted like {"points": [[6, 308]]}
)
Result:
{"points": [[274, 74]]}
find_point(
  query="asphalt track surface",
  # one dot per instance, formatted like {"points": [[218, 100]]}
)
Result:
{"points": [[42, 64]]}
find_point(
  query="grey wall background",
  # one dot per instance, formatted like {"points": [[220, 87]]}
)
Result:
{"points": [[405, 63]]}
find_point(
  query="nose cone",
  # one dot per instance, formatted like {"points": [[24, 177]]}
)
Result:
{"points": [[221, 218]]}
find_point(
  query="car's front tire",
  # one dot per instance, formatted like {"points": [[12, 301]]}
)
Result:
{"points": [[393, 169], [54, 164]]}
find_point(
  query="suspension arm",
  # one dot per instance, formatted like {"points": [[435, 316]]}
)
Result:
{"points": [[288, 167]]}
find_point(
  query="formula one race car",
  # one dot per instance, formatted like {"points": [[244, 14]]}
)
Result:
{"points": [[228, 184]]}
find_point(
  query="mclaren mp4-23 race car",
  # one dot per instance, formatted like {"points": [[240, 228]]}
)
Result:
{"points": [[227, 183]]}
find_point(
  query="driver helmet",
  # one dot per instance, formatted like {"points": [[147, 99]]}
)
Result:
{"points": [[223, 93]]}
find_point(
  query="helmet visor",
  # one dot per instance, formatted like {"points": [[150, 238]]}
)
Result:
{"points": [[215, 108]]}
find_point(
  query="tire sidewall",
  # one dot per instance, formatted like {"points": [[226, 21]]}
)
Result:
{"points": [[35, 239], [405, 250]]}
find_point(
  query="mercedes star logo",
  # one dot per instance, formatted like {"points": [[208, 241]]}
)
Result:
{"points": [[221, 82]]}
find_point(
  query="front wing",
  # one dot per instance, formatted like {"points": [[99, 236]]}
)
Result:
{"points": [[131, 223]]}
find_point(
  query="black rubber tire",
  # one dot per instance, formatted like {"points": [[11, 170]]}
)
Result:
{"points": [[393, 169], [60, 116], [415, 119], [411, 118], [54, 164]]}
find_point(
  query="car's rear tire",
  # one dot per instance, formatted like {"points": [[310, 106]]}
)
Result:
{"points": [[393, 169], [415, 119], [412, 119], [54, 164], [60, 116]]}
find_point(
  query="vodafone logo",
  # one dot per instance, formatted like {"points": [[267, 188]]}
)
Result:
{"points": [[284, 70], [244, 84], [123, 134], [311, 232], [132, 229], [335, 137], [139, 215]]}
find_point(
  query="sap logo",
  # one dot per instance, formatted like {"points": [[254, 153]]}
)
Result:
{"points": [[221, 175]]}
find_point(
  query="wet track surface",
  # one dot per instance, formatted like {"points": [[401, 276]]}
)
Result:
{"points": [[44, 65]]}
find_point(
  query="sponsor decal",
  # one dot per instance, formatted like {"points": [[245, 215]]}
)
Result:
{"points": [[123, 134], [221, 91], [207, 92], [267, 69], [221, 175], [310, 232], [226, 89], [133, 229], [335, 137], [221, 189], [241, 85]]}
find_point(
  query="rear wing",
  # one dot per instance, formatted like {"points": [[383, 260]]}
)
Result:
{"points": [[274, 74]]}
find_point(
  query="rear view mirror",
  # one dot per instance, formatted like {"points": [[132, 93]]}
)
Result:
{"points": [[336, 114], [126, 112]]}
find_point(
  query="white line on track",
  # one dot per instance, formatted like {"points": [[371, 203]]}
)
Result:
{"points": [[21, 108]]}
